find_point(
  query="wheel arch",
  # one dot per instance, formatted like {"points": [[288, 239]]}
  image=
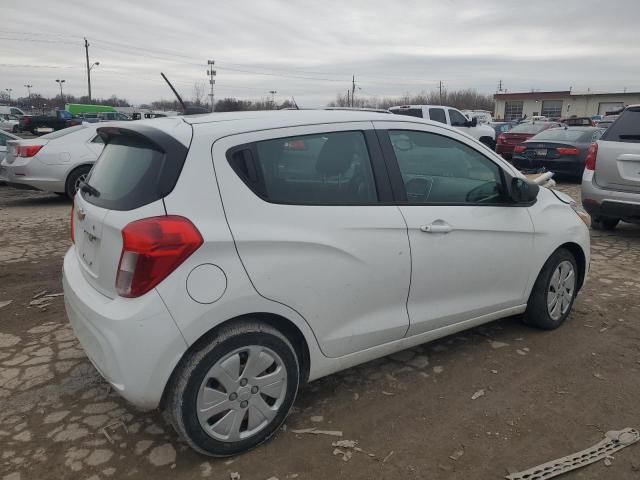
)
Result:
{"points": [[285, 326], [581, 260]]}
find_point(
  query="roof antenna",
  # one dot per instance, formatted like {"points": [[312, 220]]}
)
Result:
{"points": [[185, 110]]}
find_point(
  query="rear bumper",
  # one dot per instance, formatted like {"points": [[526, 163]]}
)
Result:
{"points": [[133, 342], [599, 202], [35, 174], [561, 166]]}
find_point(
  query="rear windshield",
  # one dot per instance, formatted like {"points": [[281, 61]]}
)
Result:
{"points": [[63, 132], [626, 128], [564, 135], [133, 171], [528, 128], [410, 112]]}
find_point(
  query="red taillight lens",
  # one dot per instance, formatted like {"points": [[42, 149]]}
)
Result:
{"points": [[501, 138], [592, 153], [519, 149], [72, 223], [28, 150], [567, 151], [152, 248]]}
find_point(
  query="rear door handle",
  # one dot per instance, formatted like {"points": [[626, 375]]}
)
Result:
{"points": [[438, 226]]}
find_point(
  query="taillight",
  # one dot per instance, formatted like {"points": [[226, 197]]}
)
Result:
{"points": [[567, 151], [592, 153], [71, 223], [519, 148], [152, 248], [28, 150], [501, 138]]}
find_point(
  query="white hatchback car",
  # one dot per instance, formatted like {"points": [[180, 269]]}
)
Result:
{"points": [[220, 261], [57, 162]]}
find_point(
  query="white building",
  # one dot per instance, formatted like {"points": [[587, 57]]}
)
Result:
{"points": [[512, 106]]}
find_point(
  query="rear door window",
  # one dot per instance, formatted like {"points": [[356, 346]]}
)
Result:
{"points": [[324, 169], [626, 128], [437, 115]]}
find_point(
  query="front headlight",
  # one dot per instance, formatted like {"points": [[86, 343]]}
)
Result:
{"points": [[581, 212]]}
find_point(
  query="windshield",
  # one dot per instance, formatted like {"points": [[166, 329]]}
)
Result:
{"points": [[564, 135], [528, 128], [63, 132]]}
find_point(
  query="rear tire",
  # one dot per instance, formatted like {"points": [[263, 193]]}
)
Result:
{"points": [[554, 292], [601, 223], [232, 393], [73, 179]]}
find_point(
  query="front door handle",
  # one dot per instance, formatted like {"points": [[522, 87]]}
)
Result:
{"points": [[439, 226]]}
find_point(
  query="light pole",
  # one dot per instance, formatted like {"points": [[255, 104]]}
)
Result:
{"points": [[60, 82], [273, 97], [9, 90], [94, 64], [28, 87]]}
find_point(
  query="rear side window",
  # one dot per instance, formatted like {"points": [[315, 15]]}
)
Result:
{"points": [[133, 171], [324, 169], [457, 119], [626, 128], [409, 112], [437, 115]]}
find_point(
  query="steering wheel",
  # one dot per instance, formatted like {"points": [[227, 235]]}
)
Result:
{"points": [[476, 195]]}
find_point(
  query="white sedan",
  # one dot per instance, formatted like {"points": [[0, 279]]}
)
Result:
{"points": [[57, 162]]}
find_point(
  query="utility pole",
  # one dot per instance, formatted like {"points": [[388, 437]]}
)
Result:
{"points": [[500, 86], [212, 81], [273, 97], [28, 87], [440, 92], [353, 91], [86, 51], [9, 90], [348, 98]]}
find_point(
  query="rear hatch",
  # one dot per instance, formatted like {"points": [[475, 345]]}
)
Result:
{"points": [[138, 167], [618, 161], [548, 150]]}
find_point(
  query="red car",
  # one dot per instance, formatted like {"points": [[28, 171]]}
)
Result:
{"points": [[518, 134]]}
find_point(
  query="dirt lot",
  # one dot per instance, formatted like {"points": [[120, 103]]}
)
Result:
{"points": [[547, 394]]}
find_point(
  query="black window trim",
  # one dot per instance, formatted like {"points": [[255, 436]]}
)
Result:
{"points": [[378, 168], [397, 183]]}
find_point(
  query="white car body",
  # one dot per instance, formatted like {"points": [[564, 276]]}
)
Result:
{"points": [[7, 110], [449, 116], [4, 138], [483, 116], [354, 282], [62, 152], [9, 123]]}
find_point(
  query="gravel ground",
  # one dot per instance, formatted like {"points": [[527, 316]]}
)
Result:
{"points": [[546, 394]]}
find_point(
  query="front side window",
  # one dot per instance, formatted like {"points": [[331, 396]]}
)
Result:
{"points": [[457, 119], [439, 169], [323, 169]]}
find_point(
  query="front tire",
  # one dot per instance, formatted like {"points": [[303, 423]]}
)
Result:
{"points": [[608, 224], [554, 292], [74, 179], [232, 393]]}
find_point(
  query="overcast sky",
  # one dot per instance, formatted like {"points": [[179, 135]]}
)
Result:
{"points": [[310, 49]]}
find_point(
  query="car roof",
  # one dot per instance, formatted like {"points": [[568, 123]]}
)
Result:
{"points": [[421, 106]]}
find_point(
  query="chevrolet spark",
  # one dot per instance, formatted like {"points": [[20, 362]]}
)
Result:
{"points": [[221, 261]]}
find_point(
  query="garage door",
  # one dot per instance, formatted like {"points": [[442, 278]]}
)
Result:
{"points": [[603, 108]]}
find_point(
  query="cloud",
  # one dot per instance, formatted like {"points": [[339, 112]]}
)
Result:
{"points": [[311, 49]]}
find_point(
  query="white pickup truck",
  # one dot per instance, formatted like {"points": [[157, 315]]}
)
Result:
{"points": [[451, 116]]}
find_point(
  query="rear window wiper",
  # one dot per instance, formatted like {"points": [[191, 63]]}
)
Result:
{"points": [[85, 187]]}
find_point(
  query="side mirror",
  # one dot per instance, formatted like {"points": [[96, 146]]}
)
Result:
{"points": [[471, 123], [523, 191]]}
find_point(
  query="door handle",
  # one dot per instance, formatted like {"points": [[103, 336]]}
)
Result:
{"points": [[437, 227]]}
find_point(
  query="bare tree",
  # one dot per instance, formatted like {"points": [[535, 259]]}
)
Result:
{"points": [[199, 93]]}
